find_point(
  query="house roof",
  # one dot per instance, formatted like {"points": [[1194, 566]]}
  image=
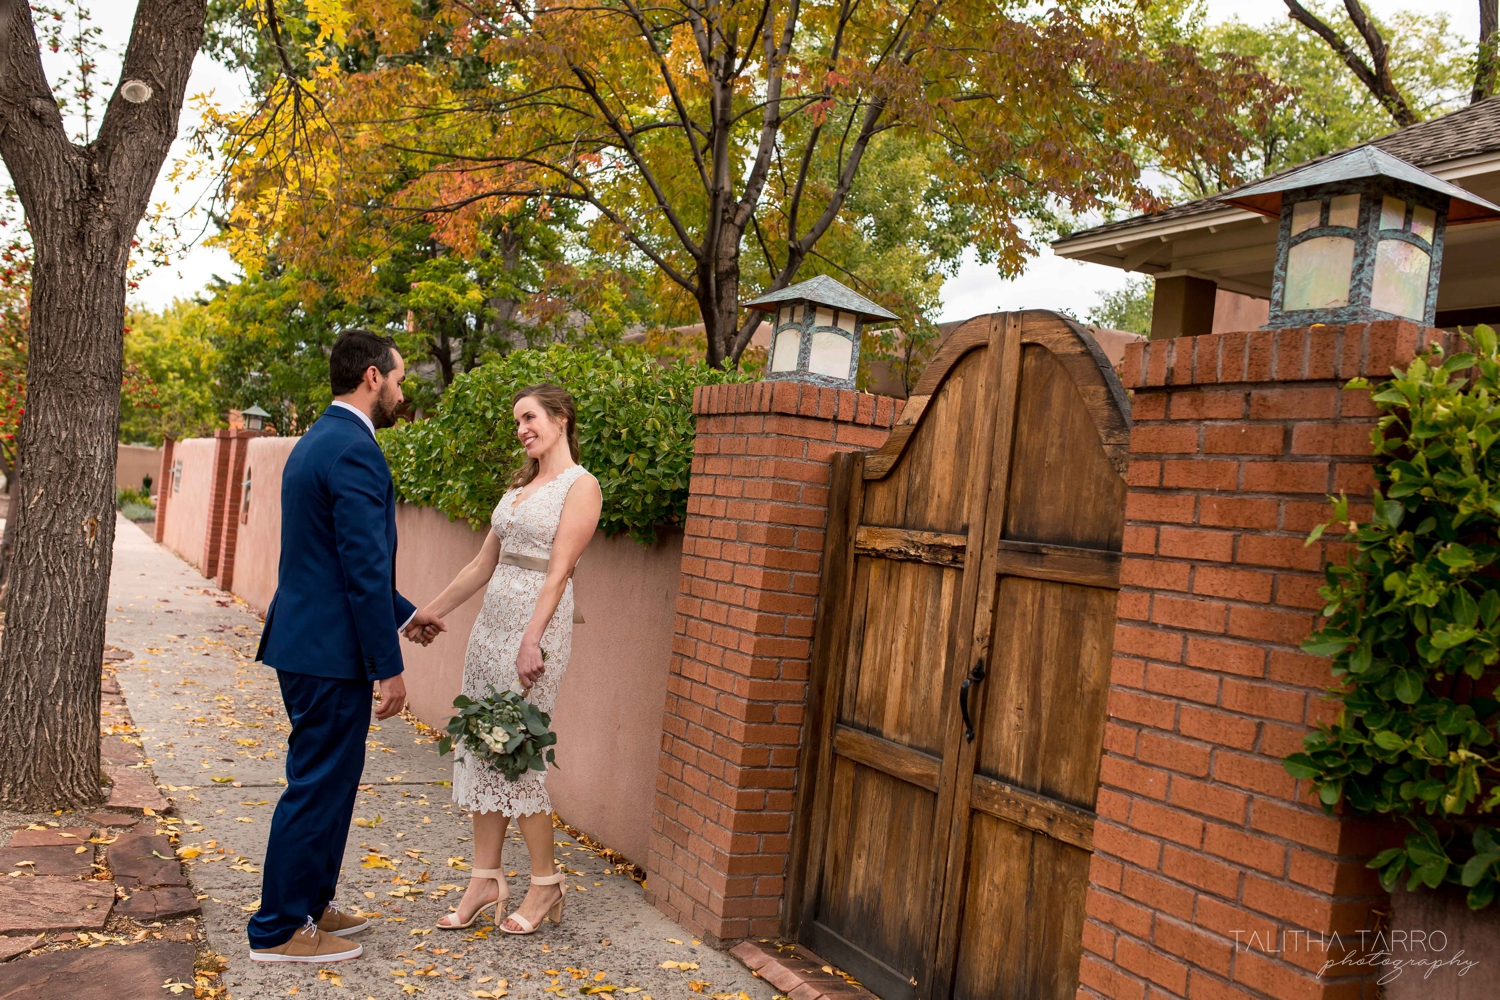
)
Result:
{"points": [[1468, 132]]}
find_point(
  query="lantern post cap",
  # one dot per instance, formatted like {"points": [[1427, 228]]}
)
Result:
{"points": [[1365, 162], [823, 291]]}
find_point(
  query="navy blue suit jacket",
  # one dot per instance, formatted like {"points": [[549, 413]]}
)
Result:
{"points": [[336, 611]]}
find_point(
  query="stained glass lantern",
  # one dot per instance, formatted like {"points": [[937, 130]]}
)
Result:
{"points": [[815, 331], [255, 418], [1361, 237]]}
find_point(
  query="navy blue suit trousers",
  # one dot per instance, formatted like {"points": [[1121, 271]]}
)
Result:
{"points": [[325, 759]]}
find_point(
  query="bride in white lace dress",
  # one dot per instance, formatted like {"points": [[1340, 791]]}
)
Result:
{"points": [[539, 529]]}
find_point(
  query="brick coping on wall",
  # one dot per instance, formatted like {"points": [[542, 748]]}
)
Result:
{"points": [[751, 561], [1297, 354], [1215, 873], [794, 398]]}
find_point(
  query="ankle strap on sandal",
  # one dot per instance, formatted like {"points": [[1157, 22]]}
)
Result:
{"points": [[494, 873], [548, 879]]}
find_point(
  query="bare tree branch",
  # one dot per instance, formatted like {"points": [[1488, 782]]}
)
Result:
{"points": [[1377, 77]]}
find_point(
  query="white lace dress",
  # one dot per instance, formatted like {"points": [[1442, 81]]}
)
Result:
{"points": [[527, 529]]}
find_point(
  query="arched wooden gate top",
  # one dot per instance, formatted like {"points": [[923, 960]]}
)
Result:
{"points": [[1069, 342]]}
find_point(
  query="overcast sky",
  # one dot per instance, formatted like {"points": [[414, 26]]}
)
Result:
{"points": [[1048, 283]]}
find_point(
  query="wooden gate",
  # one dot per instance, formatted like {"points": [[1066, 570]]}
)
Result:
{"points": [[960, 673]]}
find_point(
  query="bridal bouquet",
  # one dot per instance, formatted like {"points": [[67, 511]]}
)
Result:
{"points": [[503, 730]]}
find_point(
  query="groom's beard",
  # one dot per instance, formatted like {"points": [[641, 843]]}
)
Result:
{"points": [[384, 411]]}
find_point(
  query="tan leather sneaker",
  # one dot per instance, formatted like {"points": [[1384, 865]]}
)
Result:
{"points": [[340, 924], [309, 945]]}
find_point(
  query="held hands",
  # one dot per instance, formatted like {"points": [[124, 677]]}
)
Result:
{"points": [[424, 627]]}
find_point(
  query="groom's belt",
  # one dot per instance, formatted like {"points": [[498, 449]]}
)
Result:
{"points": [[540, 565]]}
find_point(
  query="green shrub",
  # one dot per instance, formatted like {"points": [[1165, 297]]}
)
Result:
{"points": [[125, 496], [1413, 627], [635, 433]]}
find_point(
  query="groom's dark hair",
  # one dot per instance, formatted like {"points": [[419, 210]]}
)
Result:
{"points": [[353, 354]]}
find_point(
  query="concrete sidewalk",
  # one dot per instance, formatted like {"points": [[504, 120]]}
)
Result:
{"points": [[214, 733]]}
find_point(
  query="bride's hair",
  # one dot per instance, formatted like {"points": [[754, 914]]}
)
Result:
{"points": [[558, 403]]}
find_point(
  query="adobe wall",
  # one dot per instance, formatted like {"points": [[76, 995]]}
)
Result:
{"points": [[258, 537], [133, 463], [187, 519]]}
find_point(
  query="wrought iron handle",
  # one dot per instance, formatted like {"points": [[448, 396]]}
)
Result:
{"points": [[975, 675]]}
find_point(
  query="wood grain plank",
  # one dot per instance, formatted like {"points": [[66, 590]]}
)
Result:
{"points": [[1055, 819], [973, 334], [1058, 563], [911, 766], [939, 548], [825, 679]]}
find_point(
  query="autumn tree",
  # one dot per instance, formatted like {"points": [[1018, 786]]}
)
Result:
{"points": [[700, 137], [83, 201]]}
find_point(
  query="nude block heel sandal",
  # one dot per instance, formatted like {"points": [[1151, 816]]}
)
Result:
{"points": [[557, 908], [498, 874]]}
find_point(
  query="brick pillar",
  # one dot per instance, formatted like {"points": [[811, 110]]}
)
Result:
{"points": [[750, 569], [218, 498], [1214, 873], [234, 495], [164, 488]]}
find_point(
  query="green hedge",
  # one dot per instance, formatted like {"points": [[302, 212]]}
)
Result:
{"points": [[635, 432], [1413, 626]]}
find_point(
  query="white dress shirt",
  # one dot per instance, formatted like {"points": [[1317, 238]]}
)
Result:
{"points": [[361, 414], [369, 426]]}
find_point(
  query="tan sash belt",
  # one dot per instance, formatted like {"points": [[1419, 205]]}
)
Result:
{"points": [[540, 565]]}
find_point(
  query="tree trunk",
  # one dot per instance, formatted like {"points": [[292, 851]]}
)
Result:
{"points": [[719, 295], [1487, 63], [8, 538], [83, 205]]}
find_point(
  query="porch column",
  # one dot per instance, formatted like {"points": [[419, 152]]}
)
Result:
{"points": [[1215, 874], [1183, 306], [751, 563]]}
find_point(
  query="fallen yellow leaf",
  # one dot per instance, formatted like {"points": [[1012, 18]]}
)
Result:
{"points": [[188, 852]]}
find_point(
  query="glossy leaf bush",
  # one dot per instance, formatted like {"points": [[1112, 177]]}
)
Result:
{"points": [[635, 433], [1412, 624]]}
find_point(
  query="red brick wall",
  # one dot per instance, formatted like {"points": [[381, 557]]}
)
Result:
{"points": [[164, 488], [228, 502], [750, 572], [1210, 864], [213, 534]]}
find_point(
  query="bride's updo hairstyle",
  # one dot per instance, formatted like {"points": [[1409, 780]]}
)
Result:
{"points": [[558, 403]]}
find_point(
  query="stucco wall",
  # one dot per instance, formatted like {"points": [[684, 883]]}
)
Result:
{"points": [[187, 509], [609, 712], [258, 541], [134, 462]]}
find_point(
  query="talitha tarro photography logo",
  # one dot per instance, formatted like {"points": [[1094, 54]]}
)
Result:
{"points": [[1393, 952]]}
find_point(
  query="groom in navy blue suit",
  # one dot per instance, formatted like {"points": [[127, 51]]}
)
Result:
{"points": [[331, 631]]}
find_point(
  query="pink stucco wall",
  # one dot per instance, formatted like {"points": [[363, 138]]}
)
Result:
{"points": [[133, 463], [609, 712], [258, 541], [187, 508]]}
